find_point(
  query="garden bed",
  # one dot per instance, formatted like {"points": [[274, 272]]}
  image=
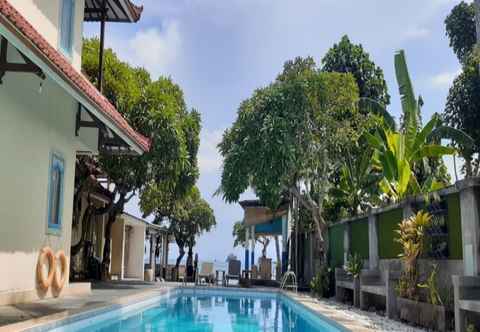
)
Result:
{"points": [[423, 314]]}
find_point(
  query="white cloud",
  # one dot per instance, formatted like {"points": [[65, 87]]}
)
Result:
{"points": [[157, 49], [444, 80], [416, 33], [209, 158]]}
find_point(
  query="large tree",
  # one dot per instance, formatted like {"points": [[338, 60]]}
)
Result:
{"points": [[190, 217], [346, 57], [460, 29], [463, 104], [155, 109], [289, 138]]}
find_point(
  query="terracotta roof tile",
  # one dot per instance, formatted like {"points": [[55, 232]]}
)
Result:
{"points": [[74, 77]]}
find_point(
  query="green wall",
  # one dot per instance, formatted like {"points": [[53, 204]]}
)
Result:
{"points": [[387, 224], [454, 226], [359, 238], [335, 242]]}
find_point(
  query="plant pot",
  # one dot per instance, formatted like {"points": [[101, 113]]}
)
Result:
{"points": [[423, 314]]}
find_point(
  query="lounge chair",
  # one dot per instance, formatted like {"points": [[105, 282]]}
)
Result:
{"points": [[206, 273], [234, 270]]}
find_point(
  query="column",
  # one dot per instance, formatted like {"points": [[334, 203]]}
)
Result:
{"points": [[469, 205], [247, 258], [346, 242], [284, 243], [252, 244], [372, 242], [152, 255]]}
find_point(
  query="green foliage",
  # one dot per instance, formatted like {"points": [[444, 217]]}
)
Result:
{"points": [[470, 328], [461, 109], [239, 234], [398, 154], [354, 265], [411, 236], [190, 217], [320, 284], [346, 57], [431, 286], [291, 132], [157, 110], [460, 29]]}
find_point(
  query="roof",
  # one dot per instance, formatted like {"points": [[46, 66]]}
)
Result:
{"points": [[11, 18], [149, 225], [117, 11]]}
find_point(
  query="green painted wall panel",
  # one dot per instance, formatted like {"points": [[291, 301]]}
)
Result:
{"points": [[335, 242], [387, 224], [454, 226], [359, 237]]}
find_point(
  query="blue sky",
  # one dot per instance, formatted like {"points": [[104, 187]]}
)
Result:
{"points": [[220, 51]]}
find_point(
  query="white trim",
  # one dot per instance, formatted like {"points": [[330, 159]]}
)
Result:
{"points": [[55, 77]]}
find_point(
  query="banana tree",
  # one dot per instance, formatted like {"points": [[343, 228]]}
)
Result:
{"points": [[397, 153]]}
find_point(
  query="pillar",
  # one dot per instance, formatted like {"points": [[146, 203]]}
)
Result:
{"points": [[284, 243], [373, 256], [252, 243], [469, 205], [247, 258], [152, 255], [346, 242]]}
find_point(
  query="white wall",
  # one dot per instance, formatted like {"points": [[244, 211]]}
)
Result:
{"points": [[44, 15], [32, 125], [135, 266]]}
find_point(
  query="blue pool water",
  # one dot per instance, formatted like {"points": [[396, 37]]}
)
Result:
{"points": [[205, 311]]}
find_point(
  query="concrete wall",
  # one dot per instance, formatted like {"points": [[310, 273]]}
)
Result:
{"points": [[134, 254], [32, 126], [44, 15]]}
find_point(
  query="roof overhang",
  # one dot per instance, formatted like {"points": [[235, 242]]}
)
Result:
{"points": [[20, 33], [114, 11], [255, 213]]}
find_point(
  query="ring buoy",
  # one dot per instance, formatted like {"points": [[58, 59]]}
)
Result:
{"points": [[46, 254], [59, 278]]}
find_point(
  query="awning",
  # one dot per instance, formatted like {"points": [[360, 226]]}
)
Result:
{"points": [[31, 44], [115, 11], [255, 213]]}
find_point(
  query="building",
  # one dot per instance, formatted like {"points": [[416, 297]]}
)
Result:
{"points": [[49, 114]]}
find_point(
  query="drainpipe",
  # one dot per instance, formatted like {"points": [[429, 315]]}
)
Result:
{"points": [[102, 45]]}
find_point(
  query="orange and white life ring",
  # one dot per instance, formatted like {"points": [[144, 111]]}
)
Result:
{"points": [[60, 278], [46, 254]]}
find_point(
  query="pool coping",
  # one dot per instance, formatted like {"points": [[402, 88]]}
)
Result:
{"points": [[56, 320]]}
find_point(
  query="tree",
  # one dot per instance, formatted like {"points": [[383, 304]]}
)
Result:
{"points": [[288, 138], [157, 110], [399, 153], [239, 236], [462, 110], [191, 217], [346, 57], [460, 29]]}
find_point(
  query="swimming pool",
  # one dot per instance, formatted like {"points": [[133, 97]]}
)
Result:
{"points": [[204, 310]]}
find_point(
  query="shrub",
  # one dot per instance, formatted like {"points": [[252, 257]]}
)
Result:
{"points": [[354, 265], [320, 284]]}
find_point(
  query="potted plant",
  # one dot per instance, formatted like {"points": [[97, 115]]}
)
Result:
{"points": [[353, 268], [320, 284], [425, 311]]}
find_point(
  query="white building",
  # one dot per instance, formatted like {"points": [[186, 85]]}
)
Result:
{"points": [[49, 112]]}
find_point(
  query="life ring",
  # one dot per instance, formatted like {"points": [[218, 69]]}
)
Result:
{"points": [[60, 278], [46, 281]]}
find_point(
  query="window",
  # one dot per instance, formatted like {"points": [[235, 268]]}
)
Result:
{"points": [[67, 20], [55, 192]]}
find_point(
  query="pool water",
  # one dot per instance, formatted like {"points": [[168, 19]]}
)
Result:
{"points": [[203, 312]]}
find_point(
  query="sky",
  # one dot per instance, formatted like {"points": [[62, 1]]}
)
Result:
{"points": [[220, 51]]}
